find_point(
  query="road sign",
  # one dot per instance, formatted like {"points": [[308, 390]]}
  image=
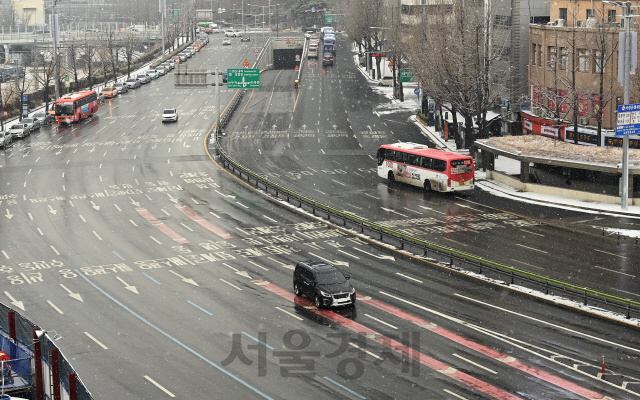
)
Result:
{"points": [[329, 19], [297, 57], [5, 114], [245, 63], [628, 120], [406, 75], [25, 99], [313, 9], [391, 62], [257, 50], [416, 91], [246, 78]]}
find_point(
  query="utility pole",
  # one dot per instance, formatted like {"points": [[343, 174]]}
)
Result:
{"points": [[163, 12], [55, 35]]}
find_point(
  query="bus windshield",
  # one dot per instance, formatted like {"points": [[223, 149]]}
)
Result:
{"points": [[64, 109]]}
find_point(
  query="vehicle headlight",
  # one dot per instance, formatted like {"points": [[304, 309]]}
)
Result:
{"points": [[325, 294]]}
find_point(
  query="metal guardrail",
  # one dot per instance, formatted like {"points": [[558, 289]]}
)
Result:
{"points": [[441, 255]]}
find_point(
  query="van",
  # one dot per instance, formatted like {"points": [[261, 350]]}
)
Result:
{"points": [[386, 80], [312, 52]]}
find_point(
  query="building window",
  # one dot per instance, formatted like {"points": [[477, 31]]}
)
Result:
{"points": [[599, 64], [552, 56], [564, 59], [611, 15], [540, 55], [563, 14], [534, 54], [583, 58], [589, 13]]}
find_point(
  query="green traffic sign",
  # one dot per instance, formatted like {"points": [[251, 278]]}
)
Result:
{"points": [[243, 78], [406, 75], [329, 19]]}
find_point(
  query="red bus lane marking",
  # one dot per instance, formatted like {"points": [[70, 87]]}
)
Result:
{"points": [[203, 222], [506, 359], [161, 226], [392, 344]]}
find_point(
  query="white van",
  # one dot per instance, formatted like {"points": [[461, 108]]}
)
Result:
{"points": [[312, 52], [386, 80]]}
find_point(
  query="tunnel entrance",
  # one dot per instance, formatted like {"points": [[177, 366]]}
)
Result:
{"points": [[286, 58]]}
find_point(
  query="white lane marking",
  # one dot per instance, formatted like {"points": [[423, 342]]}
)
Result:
{"points": [[533, 233], [54, 307], [350, 255], [215, 215], [611, 254], [54, 250], [186, 227], [230, 284], [270, 219], [522, 262], [257, 265], [617, 272], [117, 208], [408, 277], [366, 351], [164, 211], [240, 204], [30, 216], [155, 240], [381, 321], [40, 232], [339, 183], [82, 218], [288, 313], [624, 291], [5, 254], [159, 387], [474, 363], [96, 233], [453, 394], [96, 340], [547, 323], [133, 223], [531, 248]]}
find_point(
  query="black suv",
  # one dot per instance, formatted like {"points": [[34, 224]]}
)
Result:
{"points": [[323, 283]]}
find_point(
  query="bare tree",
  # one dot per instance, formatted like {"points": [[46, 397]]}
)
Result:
{"points": [[45, 74], [89, 57], [130, 44]]}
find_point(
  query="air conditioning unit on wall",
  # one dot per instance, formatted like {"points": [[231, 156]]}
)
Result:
{"points": [[560, 22]]}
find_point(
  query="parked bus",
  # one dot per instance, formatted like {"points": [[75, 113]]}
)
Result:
{"points": [[432, 169], [75, 106]]}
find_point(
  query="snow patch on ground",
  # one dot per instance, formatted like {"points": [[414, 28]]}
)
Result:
{"points": [[622, 232]]}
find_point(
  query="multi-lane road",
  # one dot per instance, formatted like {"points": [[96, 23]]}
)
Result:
{"points": [[166, 276]]}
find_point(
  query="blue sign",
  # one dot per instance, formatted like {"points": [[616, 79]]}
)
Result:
{"points": [[416, 91], [313, 9], [25, 99], [628, 122]]}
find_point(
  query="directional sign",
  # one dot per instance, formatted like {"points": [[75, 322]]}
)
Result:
{"points": [[245, 78], [406, 75], [416, 91], [628, 120]]}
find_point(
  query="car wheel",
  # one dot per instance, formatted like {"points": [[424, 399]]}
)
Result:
{"points": [[296, 290], [391, 177], [318, 302], [427, 186]]}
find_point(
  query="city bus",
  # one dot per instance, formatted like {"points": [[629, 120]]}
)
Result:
{"points": [[432, 169], [75, 106], [329, 44]]}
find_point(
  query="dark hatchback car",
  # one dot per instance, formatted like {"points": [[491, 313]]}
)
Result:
{"points": [[323, 284], [327, 60]]}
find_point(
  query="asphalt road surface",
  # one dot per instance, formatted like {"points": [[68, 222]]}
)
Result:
{"points": [[166, 276]]}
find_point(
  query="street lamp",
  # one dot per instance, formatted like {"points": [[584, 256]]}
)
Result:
{"points": [[626, 14], [277, 15]]}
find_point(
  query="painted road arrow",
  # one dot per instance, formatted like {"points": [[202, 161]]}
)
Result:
{"points": [[8, 214], [135, 203], [392, 258], [51, 210], [187, 280], [18, 304], [241, 273], [71, 294], [93, 205], [127, 286], [288, 266], [343, 263], [172, 199], [395, 212]]}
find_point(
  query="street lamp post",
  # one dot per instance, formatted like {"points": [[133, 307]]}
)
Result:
{"points": [[277, 18], [626, 15]]}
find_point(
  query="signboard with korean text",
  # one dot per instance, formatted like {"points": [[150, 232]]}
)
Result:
{"points": [[628, 122], [245, 78]]}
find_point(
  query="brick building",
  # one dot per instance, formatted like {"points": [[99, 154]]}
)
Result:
{"points": [[583, 40]]}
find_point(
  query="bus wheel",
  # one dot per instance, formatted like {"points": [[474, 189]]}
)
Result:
{"points": [[427, 186], [391, 177]]}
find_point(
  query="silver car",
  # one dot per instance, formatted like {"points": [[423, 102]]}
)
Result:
{"points": [[132, 83], [143, 78], [19, 130], [5, 139], [44, 117], [33, 123], [121, 86]]}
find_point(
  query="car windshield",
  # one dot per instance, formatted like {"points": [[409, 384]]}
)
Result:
{"points": [[28, 120], [16, 126], [169, 111], [330, 277]]}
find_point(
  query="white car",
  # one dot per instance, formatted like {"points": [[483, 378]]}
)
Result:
{"points": [[5, 139], [226, 42], [170, 114], [143, 78], [19, 130], [132, 83]]}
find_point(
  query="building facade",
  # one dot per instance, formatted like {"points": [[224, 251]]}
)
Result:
{"points": [[583, 43]]}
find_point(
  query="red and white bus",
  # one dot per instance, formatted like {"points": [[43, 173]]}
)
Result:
{"points": [[75, 106], [432, 169]]}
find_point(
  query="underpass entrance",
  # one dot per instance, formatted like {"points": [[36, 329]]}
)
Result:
{"points": [[287, 52]]}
